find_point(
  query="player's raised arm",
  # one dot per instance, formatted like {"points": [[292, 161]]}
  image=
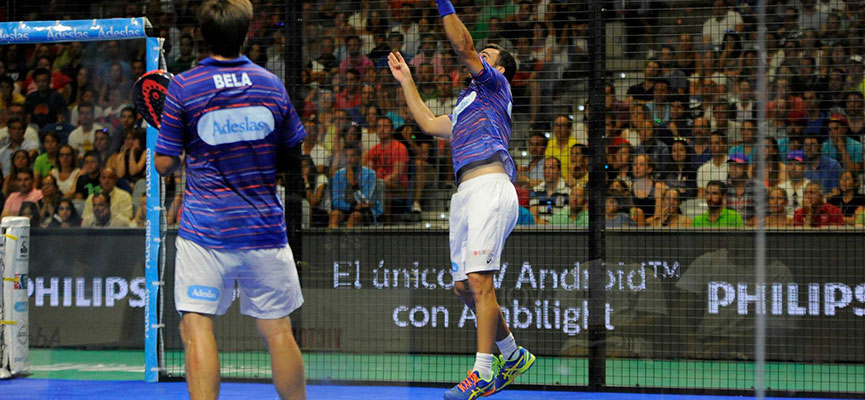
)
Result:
{"points": [[439, 126], [460, 38]]}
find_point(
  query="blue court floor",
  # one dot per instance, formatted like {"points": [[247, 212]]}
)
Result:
{"points": [[40, 389]]}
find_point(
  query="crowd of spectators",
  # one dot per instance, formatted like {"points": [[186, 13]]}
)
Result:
{"points": [[680, 135]]}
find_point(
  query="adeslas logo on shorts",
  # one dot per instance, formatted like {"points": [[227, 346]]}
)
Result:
{"points": [[235, 125], [205, 293]]}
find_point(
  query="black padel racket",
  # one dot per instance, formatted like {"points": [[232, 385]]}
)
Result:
{"points": [[149, 95]]}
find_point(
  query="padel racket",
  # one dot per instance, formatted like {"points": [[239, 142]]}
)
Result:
{"points": [[149, 95]]}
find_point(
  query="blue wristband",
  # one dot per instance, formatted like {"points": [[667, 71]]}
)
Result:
{"points": [[445, 8]]}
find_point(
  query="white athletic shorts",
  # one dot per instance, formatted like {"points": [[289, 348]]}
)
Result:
{"points": [[267, 280], [484, 211]]}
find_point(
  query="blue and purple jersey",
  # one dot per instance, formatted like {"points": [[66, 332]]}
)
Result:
{"points": [[230, 117], [481, 121]]}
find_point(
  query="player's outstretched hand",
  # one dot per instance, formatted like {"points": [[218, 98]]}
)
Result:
{"points": [[398, 67]]}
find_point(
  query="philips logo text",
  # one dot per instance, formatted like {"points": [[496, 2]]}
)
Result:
{"points": [[205, 293]]}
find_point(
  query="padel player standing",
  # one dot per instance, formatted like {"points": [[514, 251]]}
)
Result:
{"points": [[230, 117], [484, 210]]}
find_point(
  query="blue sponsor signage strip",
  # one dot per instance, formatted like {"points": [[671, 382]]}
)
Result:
{"points": [[152, 239], [80, 30]]}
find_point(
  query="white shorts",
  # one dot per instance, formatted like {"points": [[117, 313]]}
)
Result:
{"points": [[484, 211], [267, 280]]}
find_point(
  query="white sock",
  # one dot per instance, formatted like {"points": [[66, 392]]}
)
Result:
{"points": [[484, 365], [508, 347]]}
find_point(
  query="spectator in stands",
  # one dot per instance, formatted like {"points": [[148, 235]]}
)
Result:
{"points": [[355, 59], [855, 113], [15, 141], [46, 161], [659, 107], [419, 146], [743, 192], [102, 146], [83, 137], [30, 210], [24, 191], [716, 168], [620, 167], [671, 72], [644, 188], [681, 173], [532, 174], [724, 19], [579, 169], [551, 195], [718, 215], [353, 193], [8, 96], [66, 216], [842, 148], [821, 169], [850, 201], [653, 146], [121, 200], [66, 173], [88, 179], [389, 159], [51, 197], [814, 212], [186, 56], [574, 212], [102, 214], [642, 92], [20, 161], [113, 54], [128, 121], [315, 187], [58, 81], [748, 145], [45, 105], [559, 146], [614, 216], [670, 213], [702, 141], [776, 170], [349, 95], [131, 161], [796, 181], [776, 216]]}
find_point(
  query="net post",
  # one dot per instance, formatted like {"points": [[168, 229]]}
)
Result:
{"points": [[152, 236]]}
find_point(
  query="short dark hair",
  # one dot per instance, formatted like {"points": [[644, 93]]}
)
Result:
{"points": [[721, 186], [225, 25], [506, 60], [27, 171], [104, 196], [87, 105], [41, 71], [15, 120]]}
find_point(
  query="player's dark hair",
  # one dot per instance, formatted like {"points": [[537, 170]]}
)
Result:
{"points": [[225, 25], [506, 60]]}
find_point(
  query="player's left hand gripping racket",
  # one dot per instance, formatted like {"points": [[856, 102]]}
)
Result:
{"points": [[149, 95]]}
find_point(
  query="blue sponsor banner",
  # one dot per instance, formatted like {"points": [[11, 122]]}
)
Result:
{"points": [[152, 237], [71, 31]]}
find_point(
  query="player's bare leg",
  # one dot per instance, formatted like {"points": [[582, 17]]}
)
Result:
{"points": [[465, 294], [285, 358], [487, 309], [202, 357]]}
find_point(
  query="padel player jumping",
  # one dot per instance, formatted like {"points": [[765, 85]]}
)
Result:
{"points": [[484, 210], [230, 117]]}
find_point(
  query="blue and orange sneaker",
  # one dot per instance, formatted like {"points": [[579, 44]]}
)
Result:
{"points": [[510, 370], [472, 387]]}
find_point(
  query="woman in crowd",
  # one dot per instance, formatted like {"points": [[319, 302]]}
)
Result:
{"points": [[670, 215], [30, 210], [20, 162], [131, 161], [66, 216], [776, 171], [849, 200], [682, 173], [315, 191], [643, 188], [777, 215], [67, 170]]}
